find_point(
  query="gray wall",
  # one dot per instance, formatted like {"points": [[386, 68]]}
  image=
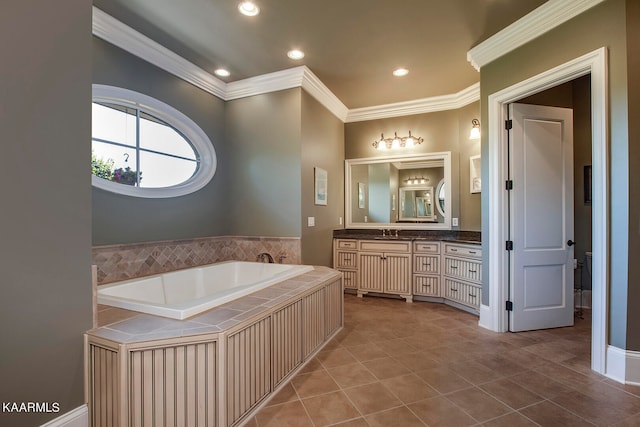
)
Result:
{"points": [[124, 219], [633, 69], [322, 146], [603, 25], [45, 220], [442, 131], [264, 137]]}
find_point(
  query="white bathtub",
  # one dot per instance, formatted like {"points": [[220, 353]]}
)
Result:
{"points": [[185, 293]]}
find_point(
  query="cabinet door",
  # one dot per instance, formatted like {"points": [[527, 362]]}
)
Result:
{"points": [[346, 259], [426, 264], [398, 272], [428, 286], [350, 279], [371, 272]]}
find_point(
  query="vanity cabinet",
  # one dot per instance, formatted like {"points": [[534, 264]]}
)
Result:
{"points": [[385, 267], [426, 269], [345, 260], [462, 274], [439, 271]]}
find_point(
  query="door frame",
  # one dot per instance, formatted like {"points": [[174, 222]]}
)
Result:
{"points": [[495, 316]]}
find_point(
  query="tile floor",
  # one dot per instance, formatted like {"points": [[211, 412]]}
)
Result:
{"points": [[399, 364]]}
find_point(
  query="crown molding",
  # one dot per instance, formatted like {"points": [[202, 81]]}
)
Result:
{"points": [[121, 35], [265, 83], [545, 18], [312, 84], [418, 106], [286, 79]]}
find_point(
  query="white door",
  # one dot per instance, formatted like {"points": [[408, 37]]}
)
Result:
{"points": [[541, 217]]}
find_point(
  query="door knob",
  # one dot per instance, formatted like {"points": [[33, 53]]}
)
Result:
{"points": [[571, 242]]}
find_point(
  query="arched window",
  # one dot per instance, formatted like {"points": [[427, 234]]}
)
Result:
{"points": [[143, 147]]}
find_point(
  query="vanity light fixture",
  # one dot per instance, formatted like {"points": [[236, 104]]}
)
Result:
{"points": [[397, 141], [475, 130], [416, 180], [295, 54], [248, 8], [221, 72]]}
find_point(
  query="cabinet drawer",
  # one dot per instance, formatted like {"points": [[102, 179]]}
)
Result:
{"points": [[426, 247], [428, 286], [345, 259], [378, 246], [464, 293], [463, 268], [472, 251], [350, 279], [346, 244], [426, 263]]}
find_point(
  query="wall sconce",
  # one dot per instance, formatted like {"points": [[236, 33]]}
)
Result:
{"points": [[475, 130], [416, 180], [396, 141]]}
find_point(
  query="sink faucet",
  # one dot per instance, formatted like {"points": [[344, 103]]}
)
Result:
{"points": [[261, 257], [281, 257]]}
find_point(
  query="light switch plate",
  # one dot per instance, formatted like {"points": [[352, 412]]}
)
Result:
{"points": [[454, 222], [311, 221]]}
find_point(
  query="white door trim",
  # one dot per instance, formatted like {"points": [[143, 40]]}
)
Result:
{"points": [[594, 63]]}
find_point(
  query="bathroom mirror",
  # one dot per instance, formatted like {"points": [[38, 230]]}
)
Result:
{"points": [[404, 192]]}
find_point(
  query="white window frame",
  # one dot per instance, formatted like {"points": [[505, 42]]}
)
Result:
{"points": [[195, 135]]}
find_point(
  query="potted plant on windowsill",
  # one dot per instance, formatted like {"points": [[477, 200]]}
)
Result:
{"points": [[126, 176]]}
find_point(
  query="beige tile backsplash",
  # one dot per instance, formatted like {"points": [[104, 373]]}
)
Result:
{"points": [[122, 262]]}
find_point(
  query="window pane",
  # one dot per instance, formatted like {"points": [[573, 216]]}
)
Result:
{"points": [[158, 136], [114, 123], [164, 171], [122, 158]]}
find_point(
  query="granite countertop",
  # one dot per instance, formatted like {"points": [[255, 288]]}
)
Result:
{"points": [[467, 237], [126, 326]]}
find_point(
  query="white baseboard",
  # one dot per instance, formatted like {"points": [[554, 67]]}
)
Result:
{"points": [[623, 366], [78, 417], [486, 318], [633, 368]]}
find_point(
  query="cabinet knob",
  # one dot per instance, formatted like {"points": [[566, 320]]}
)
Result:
{"points": [[472, 271], [454, 290], [453, 267]]}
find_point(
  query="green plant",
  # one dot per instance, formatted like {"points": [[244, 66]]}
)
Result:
{"points": [[101, 168]]}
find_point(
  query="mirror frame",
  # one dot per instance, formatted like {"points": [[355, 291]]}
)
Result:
{"points": [[445, 156]]}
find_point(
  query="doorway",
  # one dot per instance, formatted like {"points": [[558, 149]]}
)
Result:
{"points": [[494, 316]]}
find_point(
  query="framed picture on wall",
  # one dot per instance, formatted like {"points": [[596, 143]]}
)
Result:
{"points": [[320, 179]]}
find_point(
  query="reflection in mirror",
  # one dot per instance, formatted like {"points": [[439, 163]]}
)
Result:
{"points": [[440, 196], [416, 204], [373, 185]]}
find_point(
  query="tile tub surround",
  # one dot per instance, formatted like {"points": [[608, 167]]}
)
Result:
{"points": [[134, 360], [122, 262]]}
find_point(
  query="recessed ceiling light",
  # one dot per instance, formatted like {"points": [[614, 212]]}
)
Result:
{"points": [[222, 72], [248, 8], [295, 54], [400, 72]]}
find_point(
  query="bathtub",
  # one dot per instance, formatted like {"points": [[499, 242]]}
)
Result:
{"points": [[185, 293]]}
